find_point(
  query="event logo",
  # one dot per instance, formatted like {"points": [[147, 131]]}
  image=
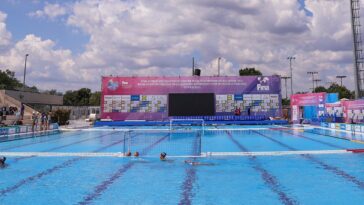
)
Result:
{"points": [[263, 84], [124, 83], [111, 85]]}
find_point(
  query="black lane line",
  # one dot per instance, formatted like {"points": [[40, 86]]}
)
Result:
{"points": [[337, 171], [191, 177], [326, 135], [32, 143], [103, 186], [51, 170], [66, 145], [268, 178], [314, 140], [29, 135]]}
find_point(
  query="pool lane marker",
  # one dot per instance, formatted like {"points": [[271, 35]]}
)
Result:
{"points": [[312, 139], [103, 186], [348, 139], [50, 171], [268, 178], [312, 132], [67, 145], [328, 167], [33, 143], [187, 186]]}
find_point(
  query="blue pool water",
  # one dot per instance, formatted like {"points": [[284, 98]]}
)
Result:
{"points": [[285, 179]]}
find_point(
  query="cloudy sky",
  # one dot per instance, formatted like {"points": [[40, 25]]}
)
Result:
{"points": [[72, 43]]}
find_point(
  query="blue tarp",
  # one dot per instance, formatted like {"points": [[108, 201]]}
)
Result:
{"points": [[332, 97]]}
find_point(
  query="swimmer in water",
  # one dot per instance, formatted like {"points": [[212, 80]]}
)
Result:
{"points": [[136, 154], [2, 161], [193, 163], [163, 156], [128, 154]]}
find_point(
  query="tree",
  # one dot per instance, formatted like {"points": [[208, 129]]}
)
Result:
{"points": [[342, 90], [95, 99], [8, 80], [286, 101], [70, 98], [320, 89], [249, 72], [81, 97]]}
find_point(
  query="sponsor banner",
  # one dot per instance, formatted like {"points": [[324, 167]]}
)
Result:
{"points": [[190, 84], [348, 127], [342, 127], [3, 131], [337, 126], [332, 125], [11, 131], [324, 124], [357, 128], [308, 99], [146, 98], [23, 129]]}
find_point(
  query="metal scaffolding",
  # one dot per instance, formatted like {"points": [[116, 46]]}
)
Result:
{"points": [[357, 48]]}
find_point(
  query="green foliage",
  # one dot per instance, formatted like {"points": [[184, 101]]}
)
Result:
{"points": [[61, 116], [8, 80], [336, 88], [249, 71], [81, 97], [95, 99], [342, 90], [320, 89], [285, 101]]}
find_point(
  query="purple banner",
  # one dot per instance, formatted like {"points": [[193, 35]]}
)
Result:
{"points": [[146, 98]]}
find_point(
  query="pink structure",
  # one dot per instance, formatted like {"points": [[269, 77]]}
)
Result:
{"points": [[307, 99], [350, 110]]}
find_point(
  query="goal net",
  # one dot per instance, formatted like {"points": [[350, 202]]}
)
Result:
{"points": [[173, 142]]}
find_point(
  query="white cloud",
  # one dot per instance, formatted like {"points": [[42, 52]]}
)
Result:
{"points": [[51, 11], [144, 37], [5, 36], [45, 62]]}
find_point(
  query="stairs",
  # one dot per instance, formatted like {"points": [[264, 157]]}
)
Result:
{"points": [[6, 100]]}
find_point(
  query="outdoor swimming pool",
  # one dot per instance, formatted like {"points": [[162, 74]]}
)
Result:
{"points": [[39, 171]]}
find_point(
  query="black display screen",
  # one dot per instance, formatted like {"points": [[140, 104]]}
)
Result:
{"points": [[191, 104]]}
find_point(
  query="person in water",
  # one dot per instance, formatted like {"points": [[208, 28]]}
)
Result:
{"points": [[2, 161], [193, 163], [128, 154], [136, 154], [163, 156]]}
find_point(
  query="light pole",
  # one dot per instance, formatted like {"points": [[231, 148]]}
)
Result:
{"points": [[290, 58], [25, 70], [285, 78], [316, 81], [193, 66], [218, 66], [313, 79], [341, 79]]}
